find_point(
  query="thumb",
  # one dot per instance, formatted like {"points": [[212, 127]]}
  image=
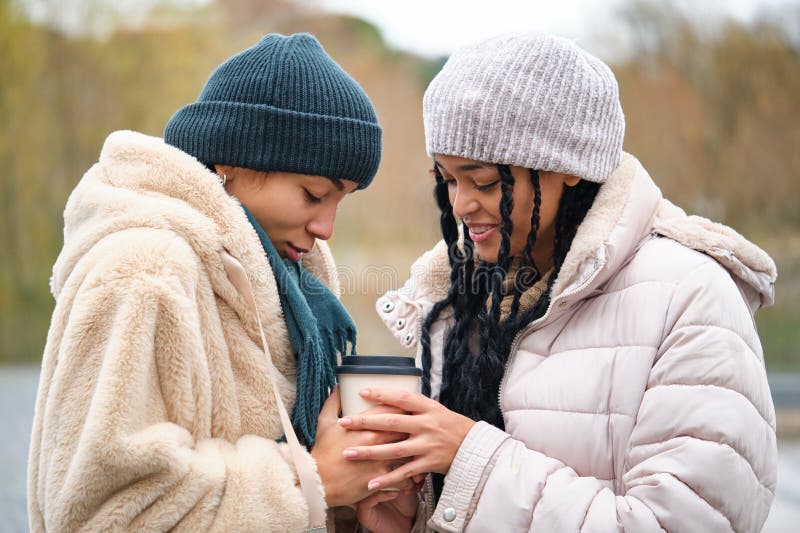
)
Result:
{"points": [[375, 498], [330, 409]]}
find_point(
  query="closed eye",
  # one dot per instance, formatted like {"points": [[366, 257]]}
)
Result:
{"points": [[311, 198], [487, 187]]}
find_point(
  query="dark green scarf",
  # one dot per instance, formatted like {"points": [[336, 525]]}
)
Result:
{"points": [[319, 328]]}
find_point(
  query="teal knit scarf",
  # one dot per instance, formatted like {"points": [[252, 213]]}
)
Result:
{"points": [[319, 328]]}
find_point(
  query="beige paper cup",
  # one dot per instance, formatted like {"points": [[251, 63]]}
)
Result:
{"points": [[385, 371]]}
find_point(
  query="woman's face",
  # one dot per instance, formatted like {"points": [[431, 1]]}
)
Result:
{"points": [[475, 193], [293, 209]]}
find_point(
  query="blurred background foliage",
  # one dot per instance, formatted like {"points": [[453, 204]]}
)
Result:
{"points": [[713, 115]]}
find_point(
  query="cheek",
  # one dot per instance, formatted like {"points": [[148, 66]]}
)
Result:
{"points": [[280, 216], [551, 196], [522, 227], [547, 217], [521, 216]]}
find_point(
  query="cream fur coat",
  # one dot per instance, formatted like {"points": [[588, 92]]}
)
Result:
{"points": [[154, 409]]}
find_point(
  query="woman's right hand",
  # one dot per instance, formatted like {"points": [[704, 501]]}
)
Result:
{"points": [[346, 481]]}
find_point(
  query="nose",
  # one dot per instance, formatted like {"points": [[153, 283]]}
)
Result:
{"points": [[462, 201], [321, 226]]}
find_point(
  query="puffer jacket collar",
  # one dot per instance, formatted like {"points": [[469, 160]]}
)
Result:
{"points": [[628, 210]]}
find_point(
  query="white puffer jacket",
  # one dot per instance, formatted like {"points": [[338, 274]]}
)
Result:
{"points": [[639, 401]]}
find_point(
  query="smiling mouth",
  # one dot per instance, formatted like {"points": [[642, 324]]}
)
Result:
{"points": [[480, 229], [480, 232]]}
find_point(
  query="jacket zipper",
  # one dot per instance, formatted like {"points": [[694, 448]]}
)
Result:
{"points": [[428, 497], [428, 479], [513, 350], [420, 322]]}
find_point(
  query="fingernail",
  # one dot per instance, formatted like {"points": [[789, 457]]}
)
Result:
{"points": [[373, 485], [345, 421], [350, 454], [364, 392]]}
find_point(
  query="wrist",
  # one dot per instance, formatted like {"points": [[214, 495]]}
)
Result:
{"points": [[466, 426], [462, 428], [329, 490]]}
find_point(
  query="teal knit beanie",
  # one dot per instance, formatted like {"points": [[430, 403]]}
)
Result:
{"points": [[285, 105]]}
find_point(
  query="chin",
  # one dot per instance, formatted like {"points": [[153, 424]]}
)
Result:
{"points": [[491, 254], [488, 255]]}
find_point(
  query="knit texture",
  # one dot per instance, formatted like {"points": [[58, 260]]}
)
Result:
{"points": [[529, 100], [285, 105]]}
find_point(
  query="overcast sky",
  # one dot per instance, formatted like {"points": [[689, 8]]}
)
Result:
{"points": [[436, 27]]}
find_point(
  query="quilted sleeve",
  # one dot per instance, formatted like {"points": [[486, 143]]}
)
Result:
{"points": [[701, 457]]}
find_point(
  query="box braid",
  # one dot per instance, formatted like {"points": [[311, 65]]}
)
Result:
{"points": [[575, 203], [461, 272], [472, 370], [528, 273], [471, 382]]}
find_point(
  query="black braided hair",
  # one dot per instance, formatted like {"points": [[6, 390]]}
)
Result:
{"points": [[471, 378], [461, 271], [575, 203], [528, 273], [476, 369]]}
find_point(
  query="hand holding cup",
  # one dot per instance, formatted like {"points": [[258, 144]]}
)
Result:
{"points": [[361, 371]]}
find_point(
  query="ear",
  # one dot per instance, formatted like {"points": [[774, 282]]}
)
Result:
{"points": [[570, 180], [226, 170]]}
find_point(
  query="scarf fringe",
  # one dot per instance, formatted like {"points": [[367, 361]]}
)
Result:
{"points": [[319, 329], [316, 378]]}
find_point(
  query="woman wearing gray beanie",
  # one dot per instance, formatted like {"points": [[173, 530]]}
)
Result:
{"points": [[589, 353], [197, 320]]}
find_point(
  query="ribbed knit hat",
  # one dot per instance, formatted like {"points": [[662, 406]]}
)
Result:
{"points": [[529, 100], [285, 105]]}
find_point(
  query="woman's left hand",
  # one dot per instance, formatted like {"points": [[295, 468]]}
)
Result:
{"points": [[390, 512], [435, 434]]}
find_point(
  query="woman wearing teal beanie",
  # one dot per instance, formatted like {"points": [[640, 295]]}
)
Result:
{"points": [[197, 321], [590, 360]]}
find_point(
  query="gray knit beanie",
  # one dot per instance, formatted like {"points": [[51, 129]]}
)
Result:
{"points": [[529, 100]]}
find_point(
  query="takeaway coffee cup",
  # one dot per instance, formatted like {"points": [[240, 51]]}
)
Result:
{"points": [[386, 371]]}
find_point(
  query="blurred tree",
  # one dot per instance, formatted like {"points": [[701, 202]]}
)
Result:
{"points": [[26, 220], [711, 111], [728, 91]]}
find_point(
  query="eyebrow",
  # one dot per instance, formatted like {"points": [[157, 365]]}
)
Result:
{"points": [[466, 167], [338, 183]]}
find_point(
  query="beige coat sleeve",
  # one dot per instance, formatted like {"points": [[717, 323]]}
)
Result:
{"points": [[125, 383]]}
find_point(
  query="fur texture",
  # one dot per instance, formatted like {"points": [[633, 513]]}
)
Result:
{"points": [[154, 409]]}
